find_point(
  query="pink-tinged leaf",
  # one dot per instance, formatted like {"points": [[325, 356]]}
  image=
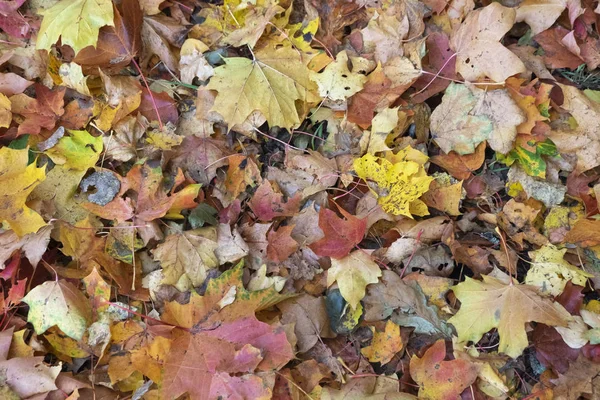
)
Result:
{"points": [[276, 350], [41, 112], [281, 244], [246, 359], [16, 293], [341, 235], [29, 376], [556, 55], [14, 24], [5, 341], [266, 204], [252, 387], [440, 62], [166, 106], [439, 379], [11, 84]]}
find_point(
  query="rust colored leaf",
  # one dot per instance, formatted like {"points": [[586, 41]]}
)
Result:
{"points": [[341, 234]]}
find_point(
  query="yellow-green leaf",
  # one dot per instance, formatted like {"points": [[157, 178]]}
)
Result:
{"points": [[17, 181], [353, 273], [271, 85], [76, 22], [550, 271], [58, 303], [495, 304], [399, 185]]}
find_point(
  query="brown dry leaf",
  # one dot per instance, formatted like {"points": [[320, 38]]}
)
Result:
{"points": [[582, 378], [477, 44], [584, 140], [461, 167], [540, 14], [310, 319]]}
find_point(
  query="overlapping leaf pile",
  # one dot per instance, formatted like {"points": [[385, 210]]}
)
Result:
{"points": [[299, 199]]}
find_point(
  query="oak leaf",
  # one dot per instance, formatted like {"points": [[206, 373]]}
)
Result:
{"points": [[439, 379], [353, 273], [17, 181], [76, 22], [490, 304]]}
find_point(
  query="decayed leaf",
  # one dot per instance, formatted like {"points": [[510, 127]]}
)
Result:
{"points": [[399, 185], [384, 344], [33, 244], [310, 320], [584, 140], [551, 272], [337, 82], [578, 381], [479, 52], [439, 379], [540, 14], [353, 273], [490, 304], [76, 22], [468, 116], [58, 303], [17, 181], [270, 84], [28, 376]]}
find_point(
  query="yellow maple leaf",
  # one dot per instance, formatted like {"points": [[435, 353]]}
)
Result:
{"points": [[398, 185], [550, 271], [17, 181], [353, 273], [270, 84], [76, 22], [495, 304], [384, 345], [5, 114]]}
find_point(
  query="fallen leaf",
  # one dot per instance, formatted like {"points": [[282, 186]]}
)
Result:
{"points": [[488, 304], [270, 84], [189, 252], [18, 178], [477, 45], [468, 116], [399, 185], [353, 273], [337, 82], [58, 303], [341, 235], [550, 272], [582, 141], [540, 14], [439, 379], [64, 20], [41, 112], [384, 345]]}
